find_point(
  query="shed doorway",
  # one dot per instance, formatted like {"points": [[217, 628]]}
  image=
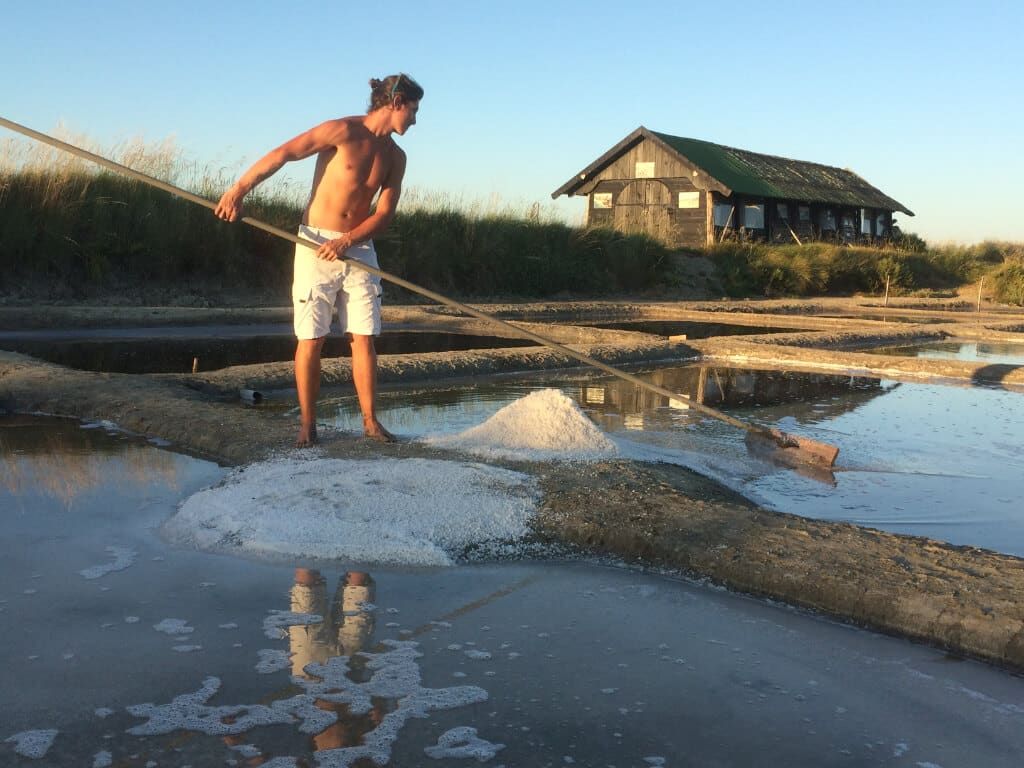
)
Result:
{"points": [[644, 206]]}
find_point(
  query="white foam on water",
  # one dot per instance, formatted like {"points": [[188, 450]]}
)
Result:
{"points": [[546, 425], [174, 627], [395, 676], [272, 660], [247, 750], [275, 625], [394, 511], [123, 559], [33, 744], [462, 743], [102, 759]]}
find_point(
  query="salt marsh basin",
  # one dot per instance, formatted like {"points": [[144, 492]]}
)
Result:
{"points": [[960, 598], [541, 662]]}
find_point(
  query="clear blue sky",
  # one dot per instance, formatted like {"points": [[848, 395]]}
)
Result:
{"points": [[923, 99]]}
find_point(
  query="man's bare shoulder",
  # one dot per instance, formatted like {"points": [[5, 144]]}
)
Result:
{"points": [[343, 129]]}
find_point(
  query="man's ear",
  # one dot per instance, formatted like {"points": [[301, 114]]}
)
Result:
{"points": [[397, 102]]}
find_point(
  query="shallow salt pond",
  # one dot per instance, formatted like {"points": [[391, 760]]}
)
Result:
{"points": [[123, 649], [1001, 353], [928, 460], [169, 349], [688, 328]]}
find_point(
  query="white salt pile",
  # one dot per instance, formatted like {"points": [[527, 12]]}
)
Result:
{"points": [[408, 511], [543, 426]]}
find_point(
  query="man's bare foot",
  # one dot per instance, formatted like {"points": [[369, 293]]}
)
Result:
{"points": [[376, 432], [307, 436]]}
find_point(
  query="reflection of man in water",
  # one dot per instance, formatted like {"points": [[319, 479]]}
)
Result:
{"points": [[355, 590], [346, 629], [346, 626]]}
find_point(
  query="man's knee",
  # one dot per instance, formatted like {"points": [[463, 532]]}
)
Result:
{"points": [[307, 349], [358, 340]]}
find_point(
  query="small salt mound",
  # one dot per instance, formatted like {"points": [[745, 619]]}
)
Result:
{"points": [[409, 511], [543, 426]]}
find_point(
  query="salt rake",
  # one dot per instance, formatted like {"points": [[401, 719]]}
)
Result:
{"points": [[793, 450]]}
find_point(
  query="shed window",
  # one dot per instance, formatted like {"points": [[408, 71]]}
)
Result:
{"points": [[753, 216], [689, 199], [602, 199], [724, 215], [805, 213], [827, 220], [783, 211], [881, 225], [866, 227]]}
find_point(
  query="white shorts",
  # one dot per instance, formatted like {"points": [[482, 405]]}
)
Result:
{"points": [[320, 286]]}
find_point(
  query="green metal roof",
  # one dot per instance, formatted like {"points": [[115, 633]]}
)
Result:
{"points": [[756, 175]]}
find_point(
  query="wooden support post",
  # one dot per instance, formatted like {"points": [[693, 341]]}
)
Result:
{"points": [[792, 232], [732, 210], [981, 284], [886, 304]]}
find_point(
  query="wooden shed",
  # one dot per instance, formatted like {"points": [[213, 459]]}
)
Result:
{"points": [[691, 192]]}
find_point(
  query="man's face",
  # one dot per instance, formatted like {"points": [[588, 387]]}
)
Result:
{"points": [[405, 116]]}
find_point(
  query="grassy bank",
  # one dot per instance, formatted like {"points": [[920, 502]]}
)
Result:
{"points": [[70, 231], [821, 269]]}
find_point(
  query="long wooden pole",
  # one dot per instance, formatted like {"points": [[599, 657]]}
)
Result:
{"points": [[811, 450]]}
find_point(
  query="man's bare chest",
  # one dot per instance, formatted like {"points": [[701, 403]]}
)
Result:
{"points": [[361, 165]]}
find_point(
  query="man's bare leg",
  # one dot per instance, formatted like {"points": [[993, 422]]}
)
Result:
{"points": [[307, 382], [364, 376]]}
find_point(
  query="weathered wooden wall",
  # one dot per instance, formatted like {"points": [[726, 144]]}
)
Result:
{"points": [[650, 204]]}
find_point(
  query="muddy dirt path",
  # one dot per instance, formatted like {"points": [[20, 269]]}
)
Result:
{"points": [[963, 599]]}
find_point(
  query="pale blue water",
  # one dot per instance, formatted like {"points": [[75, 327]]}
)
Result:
{"points": [[1003, 353], [126, 651], [939, 461]]}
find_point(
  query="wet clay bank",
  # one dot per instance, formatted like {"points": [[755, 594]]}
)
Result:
{"points": [[961, 598]]}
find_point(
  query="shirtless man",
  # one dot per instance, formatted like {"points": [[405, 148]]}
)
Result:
{"points": [[356, 159]]}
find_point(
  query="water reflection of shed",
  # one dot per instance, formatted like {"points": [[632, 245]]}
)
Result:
{"points": [[691, 192], [726, 387]]}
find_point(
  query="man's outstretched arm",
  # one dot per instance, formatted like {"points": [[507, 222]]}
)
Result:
{"points": [[302, 146]]}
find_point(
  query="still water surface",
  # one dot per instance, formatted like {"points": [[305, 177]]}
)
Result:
{"points": [[124, 650], [929, 460], [1005, 353]]}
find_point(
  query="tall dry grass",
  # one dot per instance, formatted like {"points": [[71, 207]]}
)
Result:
{"points": [[71, 230]]}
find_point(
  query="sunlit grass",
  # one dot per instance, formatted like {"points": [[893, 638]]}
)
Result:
{"points": [[73, 230]]}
